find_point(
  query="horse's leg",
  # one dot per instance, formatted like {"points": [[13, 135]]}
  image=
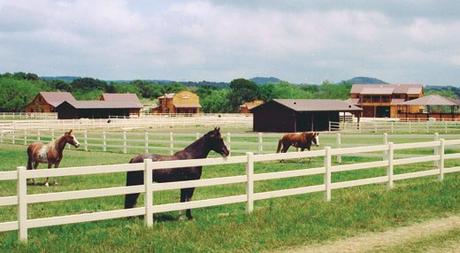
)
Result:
{"points": [[285, 147], [133, 178], [35, 167], [186, 196], [47, 179], [182, 199], [56, 165]]}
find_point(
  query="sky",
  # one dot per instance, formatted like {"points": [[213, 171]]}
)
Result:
{"points": [[412, 41]]}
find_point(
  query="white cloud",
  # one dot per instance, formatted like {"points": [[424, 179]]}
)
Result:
{"points": [[209, 40]]}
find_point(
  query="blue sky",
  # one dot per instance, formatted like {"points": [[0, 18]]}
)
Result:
{"points": [[299, 41]]}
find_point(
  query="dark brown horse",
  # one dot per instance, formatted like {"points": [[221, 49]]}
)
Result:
{"points": [[51, 153], [198, 149], [302, 140]]}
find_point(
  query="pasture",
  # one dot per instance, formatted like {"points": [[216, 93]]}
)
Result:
{"points": [[275, 223]]}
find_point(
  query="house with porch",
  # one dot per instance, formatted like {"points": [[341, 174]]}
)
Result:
{"points": [[383, 100]]}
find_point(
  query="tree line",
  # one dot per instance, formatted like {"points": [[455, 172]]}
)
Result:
{"points": [[18, 89]]}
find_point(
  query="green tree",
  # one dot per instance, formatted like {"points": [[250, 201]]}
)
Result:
{"points": [[242, 90]]}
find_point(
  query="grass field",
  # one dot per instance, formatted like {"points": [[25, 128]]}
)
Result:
{"points": [[275, 223]]}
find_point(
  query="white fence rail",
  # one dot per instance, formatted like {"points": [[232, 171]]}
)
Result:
{"points": [[27, 115], [23, 199], [153, 121], [396, 127], [170, 142]]}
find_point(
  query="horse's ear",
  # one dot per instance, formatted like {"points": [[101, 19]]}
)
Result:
{"points": [[70, 131]]}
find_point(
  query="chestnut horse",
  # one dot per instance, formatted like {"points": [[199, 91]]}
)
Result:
{"points": [[302, 140], [50, 153], [198, 149]]}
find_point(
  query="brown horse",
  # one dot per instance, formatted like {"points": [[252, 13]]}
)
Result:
{"points": [[198, 149], [302, 140], [50, 153]]}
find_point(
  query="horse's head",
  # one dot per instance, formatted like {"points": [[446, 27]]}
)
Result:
{"points": [[70, 138], [315, 138], [216, 143]]}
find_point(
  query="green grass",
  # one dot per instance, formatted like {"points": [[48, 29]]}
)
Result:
{"points": [[435, 243], [275, 223]]}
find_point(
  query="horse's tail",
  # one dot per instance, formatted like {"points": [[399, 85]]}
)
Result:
{"points": [[133, 178], [29, 158], [280, 143]]}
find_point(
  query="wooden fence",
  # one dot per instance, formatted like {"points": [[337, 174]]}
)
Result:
{"points": [[23, 199], [396, 127]]}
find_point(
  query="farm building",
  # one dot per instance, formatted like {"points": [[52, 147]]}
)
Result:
{"points": [[115, 105], [295, 115], [382, 100], [246, 107], [181, 102], [434, 107], [48, 101]]}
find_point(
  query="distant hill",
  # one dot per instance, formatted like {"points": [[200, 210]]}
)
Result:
{"points": [[365, 80], [67, 79], [266, 80]]}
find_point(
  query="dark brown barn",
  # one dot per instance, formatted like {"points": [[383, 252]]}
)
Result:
{"points": [[119, 105], [296, 115]]}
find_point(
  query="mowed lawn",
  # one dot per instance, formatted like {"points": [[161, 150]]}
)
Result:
{"points": [[275, 223]]}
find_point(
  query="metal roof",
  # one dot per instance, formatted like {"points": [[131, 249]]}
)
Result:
{"points": [[56, 98], [306, 105], [431, 100], [383, 89], [128, 100]]}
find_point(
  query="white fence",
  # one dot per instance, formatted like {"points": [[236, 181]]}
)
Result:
{"points": [[27, 115], [159, 121], [23, 199], [170, 142], [396, 127]]}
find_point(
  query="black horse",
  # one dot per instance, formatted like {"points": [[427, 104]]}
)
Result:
{"points": [[198, 149]]}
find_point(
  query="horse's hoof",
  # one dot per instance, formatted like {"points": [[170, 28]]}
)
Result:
{"points": [[182, 218], [47, 184], [55, 183]]}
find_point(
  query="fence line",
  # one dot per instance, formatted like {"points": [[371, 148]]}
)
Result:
{"points": [[170, 142], [156, 121], [23, 199], [396, 127]]}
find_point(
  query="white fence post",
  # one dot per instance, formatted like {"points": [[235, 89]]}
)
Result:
{"points": [[327, 173], [22, 203], [104, 141], [85, 139], [38, 135], [339, 145], [410, 127], [260, 142], [445, 127], [441, 160], [148, 218], [125, 148], [436, 149], [52, 134], [390, 165], [250, 182], [25, 136], [197, 136], [146, 142], [385, 142], [171, 143], [229, 143], [392, 127], [1, 136], [14, 136]]}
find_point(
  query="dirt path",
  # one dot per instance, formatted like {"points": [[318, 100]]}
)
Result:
{"points": [[379, 240]]}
